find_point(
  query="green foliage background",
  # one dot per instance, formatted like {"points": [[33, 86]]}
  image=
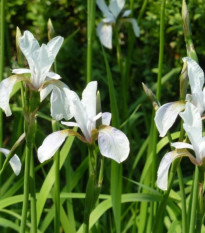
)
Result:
{"points": [[69, 17]]}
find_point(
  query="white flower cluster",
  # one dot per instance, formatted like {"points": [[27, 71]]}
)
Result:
{"points": [[65, 104], [193, 108]]}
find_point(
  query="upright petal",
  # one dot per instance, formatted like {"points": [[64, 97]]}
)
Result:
{"points": [[163, 170], [113, 144], [28, 44], [103, 7], [51, 144], [6, 87], [106, 118], [104, 32], [14, 161], [89, 98], [195, 74], [166, 116], [53, 47], [116, 6], [80, 114], [198, 101]]}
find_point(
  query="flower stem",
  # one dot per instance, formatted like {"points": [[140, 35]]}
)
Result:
{"points": [[2, 47], [200, 209], [31, 106], [194, 202], [91, 6], [26, 190], [93, 186], [57, 185], [33, 193]]}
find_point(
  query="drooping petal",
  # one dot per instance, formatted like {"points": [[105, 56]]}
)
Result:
{"points": [[135, 26], [113, 144], [14, 161], [193, 127], [106, 118], [116, 6], [6, 87], [60, 102], [80, 114], [21, 71], [195, 74], [166, 116], [191, 116], [89, 98], [53, 47], [202, 149], [163, 170], [104, 32], [103, 7], [51, 144], [44, 92]]}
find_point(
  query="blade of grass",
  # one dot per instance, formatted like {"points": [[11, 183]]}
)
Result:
{"points": [[91, 7], [2, 47]]}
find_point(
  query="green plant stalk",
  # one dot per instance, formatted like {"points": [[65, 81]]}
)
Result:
{"points": [[57, 185], [200, 209], [183, 201], [187, 32], [33, 193], [118, 50], [158, 95], [69, 203], [91, 7], [2, 48], [92, 190], [26, 191], [32, 101], [116, 169], [194, 202]]}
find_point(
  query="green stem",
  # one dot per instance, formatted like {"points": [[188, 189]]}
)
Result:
{"points": [[57, 186], [91, 6], [93, 187], [57, 193], [200, 209], [2, 47], [194, 202], [26, 190], [32, 101], [118, 50], [183, 200], [33, 192], [161, 50]]}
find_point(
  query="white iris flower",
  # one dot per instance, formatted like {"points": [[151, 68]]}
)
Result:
{"points": [[111, 13], [193, 127], [40, 60], [112, 142], [167, 113]]}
